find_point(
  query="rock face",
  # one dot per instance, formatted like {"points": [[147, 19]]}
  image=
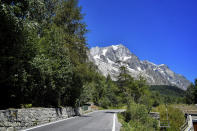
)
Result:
{"points": [[109, 59]]}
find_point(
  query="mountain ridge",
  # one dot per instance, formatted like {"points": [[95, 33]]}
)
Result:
{"points": [[110, 58]]}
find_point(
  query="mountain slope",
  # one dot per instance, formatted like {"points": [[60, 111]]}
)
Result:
{"points": [[109, 59]]}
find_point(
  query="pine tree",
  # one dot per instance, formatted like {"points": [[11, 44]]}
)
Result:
{"points": [[191, 93]]}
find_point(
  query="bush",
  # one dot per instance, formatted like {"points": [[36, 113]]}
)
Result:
{"points": [[26, 105], [137, 118], [175, 116], [104, 102], [136, 112]]}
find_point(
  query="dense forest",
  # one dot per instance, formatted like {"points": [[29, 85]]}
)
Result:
{"points": [[168, 90], [167, 94]]}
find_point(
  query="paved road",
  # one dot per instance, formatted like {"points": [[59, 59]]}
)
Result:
{"points": [[105, 120]]}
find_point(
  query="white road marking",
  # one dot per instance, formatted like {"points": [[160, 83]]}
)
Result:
{"points": [[55, 122], [114, 118], [48, 124]]}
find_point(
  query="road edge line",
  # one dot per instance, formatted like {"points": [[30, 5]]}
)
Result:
{"points": [[55, 122], [114, 122], [47, 124]]}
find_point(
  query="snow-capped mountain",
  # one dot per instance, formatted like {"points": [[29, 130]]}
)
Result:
{"points": [[109, 59]]}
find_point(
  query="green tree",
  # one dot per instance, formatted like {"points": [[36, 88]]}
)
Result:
{"points": [[125, 84], [131, 89], [69, 18], [191, 93], [16, 50], [195, 91], [54, 66]]}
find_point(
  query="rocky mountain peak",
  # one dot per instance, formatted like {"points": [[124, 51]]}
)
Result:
{"points": [[109, 59]]}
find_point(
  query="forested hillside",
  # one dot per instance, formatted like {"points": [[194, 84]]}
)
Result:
{"points": [[168, 94], [168, 90]]}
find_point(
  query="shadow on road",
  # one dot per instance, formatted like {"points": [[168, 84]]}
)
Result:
{"points": [[112, 112], [84, 116]]}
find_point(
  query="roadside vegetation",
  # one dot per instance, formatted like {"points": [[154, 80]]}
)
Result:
{"points": [[174, 115], [169, 101], [137, 118]]}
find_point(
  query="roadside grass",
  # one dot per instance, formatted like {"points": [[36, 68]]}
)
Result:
{"points": [[137, 118], [175, 116], [125, 126]]}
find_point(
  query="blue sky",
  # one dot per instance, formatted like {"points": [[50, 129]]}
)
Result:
{"points": [[161, 31]]}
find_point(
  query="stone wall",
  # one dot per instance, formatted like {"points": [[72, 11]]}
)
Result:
{"points": [[15, 119]]}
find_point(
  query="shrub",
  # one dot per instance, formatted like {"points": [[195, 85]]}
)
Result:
{"points": [[136, 112], [26, 105], [137, 118], [175, 116]]}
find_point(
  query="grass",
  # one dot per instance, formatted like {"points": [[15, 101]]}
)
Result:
{"points": [[175, 116], [137, 118], [125, 126]]}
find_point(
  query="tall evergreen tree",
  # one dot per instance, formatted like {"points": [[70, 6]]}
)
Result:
{"points": [[191, 93]]}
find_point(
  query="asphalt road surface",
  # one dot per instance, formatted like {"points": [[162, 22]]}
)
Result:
{"points": [[105, 120]]}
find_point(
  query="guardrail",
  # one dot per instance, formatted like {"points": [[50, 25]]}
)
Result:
{"points": [[188, 125], [184, 126]]}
